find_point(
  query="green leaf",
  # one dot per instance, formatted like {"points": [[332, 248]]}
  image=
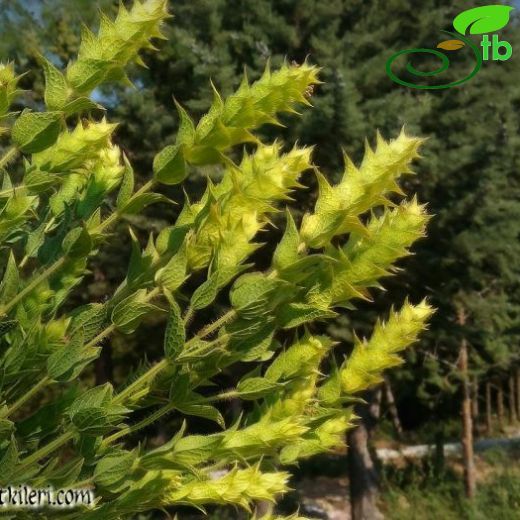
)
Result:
{"points": [[56, 89], [205, 411], [81, 104], [37, 181], [96, 397], [169, 166], [86, 74], [173, 274], [127, 185], [481, 20], [137, 203], [286, 252], [9, 461], [186, 133], [77, 243], [128, 314], [253, 293], [114, 469], [256, 388], [65, 474], [252, 338], [170, 239], [195, 449], [10, 281], [175, 334], [198, 350], [93, 413], [139, 264], [296, 314], [35, 131], [66, 363], [6, 428], [205, 293], [89, 319]]}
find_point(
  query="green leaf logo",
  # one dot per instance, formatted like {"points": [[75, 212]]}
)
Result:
{"points": [[480, 20]]}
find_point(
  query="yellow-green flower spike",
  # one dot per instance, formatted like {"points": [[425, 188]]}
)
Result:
{"points": [[230, 122], [365, 366], [8, 87], [237, 208], [368, 257], [338, 207], [103, 56], [74, 148], [239, 486]]}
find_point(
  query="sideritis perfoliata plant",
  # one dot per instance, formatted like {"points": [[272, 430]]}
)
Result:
{"points": [[77, 184]]}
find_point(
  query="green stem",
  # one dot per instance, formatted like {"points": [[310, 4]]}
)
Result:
{"points": [[32, 285], [46, 450], [212, 327], [188, 316], [147, 377], [167, 408], [101, 336], [159, 367], [117, 214], [138, 426], [24, 398], [132, 388]]}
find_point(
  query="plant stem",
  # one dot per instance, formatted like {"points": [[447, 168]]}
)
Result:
{"points": [[117, 214], [148, 376], [24, 398], [33, 284], [127, 430], [46, 450], [120, 398], [101, 336], [159, 367], [138, 426], [212, 327]]}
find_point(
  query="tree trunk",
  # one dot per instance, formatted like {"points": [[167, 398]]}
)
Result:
{"points": [[392, 408], [467, 425], [512, 400], [363, 478], [489, 422], [475, 409], [500, 406]]}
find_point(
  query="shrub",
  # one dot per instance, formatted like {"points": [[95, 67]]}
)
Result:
{"points": [[61, 214]]}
